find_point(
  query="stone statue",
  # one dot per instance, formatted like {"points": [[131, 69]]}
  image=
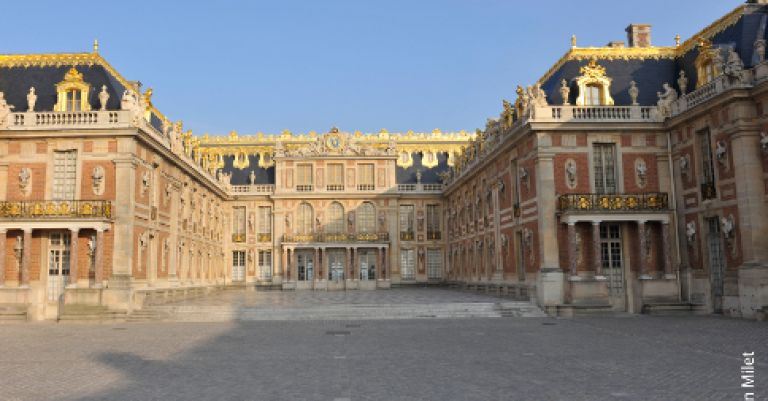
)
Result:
{"points": [[641, 170], [103, 97], [684, 164], [720, 151], [682, 83], [522, 101], [760, 50], [91, 246], [734, 65], [633, 92], [97, 177], [565, 91], [25, 179], [570, 173], [145, 178], [690, 232], [727, 225], [252, 178], [665, 100], [5, 109], [764, 141], [538, 96], [31, 100]]}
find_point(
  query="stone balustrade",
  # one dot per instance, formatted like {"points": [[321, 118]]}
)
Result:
{"points": [[259, 189], [430, 188], [568, 113], [69, 120]]}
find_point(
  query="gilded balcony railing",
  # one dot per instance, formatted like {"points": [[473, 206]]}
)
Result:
{"points": [[331, 237], [640, 202], [56, 209], [238, 237], [264, 237]]}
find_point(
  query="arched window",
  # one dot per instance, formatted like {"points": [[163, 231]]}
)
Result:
{"points": [[335, 218], [304, 218], [705, 66], [366, 218]]}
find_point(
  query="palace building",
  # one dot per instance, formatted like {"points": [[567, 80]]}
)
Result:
{"points": [[629, 177]]}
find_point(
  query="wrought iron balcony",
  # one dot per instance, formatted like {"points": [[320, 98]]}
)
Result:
{"points": [[238, 237], [406, 235], [331, 238], [640, 202], [56, 209], [264, 237]]}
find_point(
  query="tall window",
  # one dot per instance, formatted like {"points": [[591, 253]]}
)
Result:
{"points": [[434, 264], [73, 100], [707, 165], [238, 224], [304, 217], [265, 265], [365, 177], [335, 218], [366, 218], [592, 97], [407, 264], [604, 163], [303, 177], [433, 221], [64, 174], [406, 222], [265, 224], [335, 177]]}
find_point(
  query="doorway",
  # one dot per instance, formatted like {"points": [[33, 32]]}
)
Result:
{"points": [[305, 265], [58, 263], [238, 265], [612, 260], [336, 265], [716, 262], [367, 265]]}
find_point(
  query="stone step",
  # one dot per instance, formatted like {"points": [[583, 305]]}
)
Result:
{"points": [[339, 312], [13, 312], [674, 308], [76, 312]]}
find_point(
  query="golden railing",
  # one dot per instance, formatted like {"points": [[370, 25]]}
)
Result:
{"points": [[332, 237], [640, 202], [238, 237], [264, 237], [56, 208]]}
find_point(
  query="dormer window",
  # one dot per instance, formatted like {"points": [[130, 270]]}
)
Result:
{"points": [[72, 93], [594, 86], [706, 68], [592, 97]]}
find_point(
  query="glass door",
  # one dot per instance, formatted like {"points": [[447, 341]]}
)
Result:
{"points": [[407, 264], [367, 265], [306, 266], [58, 264], [336, 265], [716, 262], [238, 266], [612, 258]]}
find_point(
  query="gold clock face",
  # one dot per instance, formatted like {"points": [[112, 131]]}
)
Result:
{"points": [[333, 142]]}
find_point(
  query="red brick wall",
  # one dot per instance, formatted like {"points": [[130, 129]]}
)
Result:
{"points": [[628, 169], [38, 181], [86, 183], [582, 173]]}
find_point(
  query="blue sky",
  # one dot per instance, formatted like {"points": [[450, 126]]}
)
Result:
{"points": [[359, 65]]}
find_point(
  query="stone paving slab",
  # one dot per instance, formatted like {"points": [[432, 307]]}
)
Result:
{"points": [[626, 358]]}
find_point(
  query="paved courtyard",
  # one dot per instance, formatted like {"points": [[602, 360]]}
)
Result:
{"points": [[601, 358]]}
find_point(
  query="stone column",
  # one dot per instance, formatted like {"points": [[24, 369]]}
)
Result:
{"points": [[283, 262], [123, 214], [3, 239], [26, 257], [316, 265], [667, 249], [596, 250], [295, 265], [573, 249], [99, 258], [349, 264], [384, 260], [752, 225], [643, 265]]}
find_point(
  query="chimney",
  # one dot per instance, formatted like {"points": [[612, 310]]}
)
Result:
{"points": [[639, 35]]}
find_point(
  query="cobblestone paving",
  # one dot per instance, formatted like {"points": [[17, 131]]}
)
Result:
{"points": [[304, 298], [530, 359]]}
